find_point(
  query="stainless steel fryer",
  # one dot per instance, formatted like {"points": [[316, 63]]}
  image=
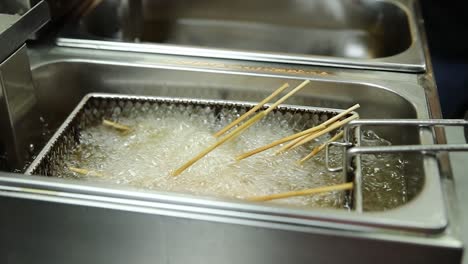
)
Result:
{"points": [[95, 106], [50, 216]]}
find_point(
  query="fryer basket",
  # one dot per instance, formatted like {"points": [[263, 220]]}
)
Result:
{"points": [[95, 107]]}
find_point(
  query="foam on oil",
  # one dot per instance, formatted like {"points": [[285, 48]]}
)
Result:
{"points": [[165, 137]]}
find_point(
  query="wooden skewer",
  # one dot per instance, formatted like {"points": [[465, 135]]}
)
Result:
{"points": [[332, 127], [340, 115], [278, 142], [205, 152], [85, 172], [321, 147], [284, 98], [239, 129], [297, 135], [339, 187], [120, 127], [326, 123], [311, 137], [292, 143], [251, 111]]}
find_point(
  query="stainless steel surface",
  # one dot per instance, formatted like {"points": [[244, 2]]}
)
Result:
{"points": [[19, 117], [92, 217], [357, 34], [424, 149], [16, 26], [17, 99], [146, 75], [87, 233], [408, 122]]}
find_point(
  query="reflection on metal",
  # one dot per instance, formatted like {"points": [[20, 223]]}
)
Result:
{"points": [[244, 67], [356, 34], [19, 116]]}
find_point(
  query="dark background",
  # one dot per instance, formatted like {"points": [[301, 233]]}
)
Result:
{"points": [[447, 32]]}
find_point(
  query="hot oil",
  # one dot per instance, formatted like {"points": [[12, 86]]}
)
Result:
{"points": [[166, 136], [384, 180]]}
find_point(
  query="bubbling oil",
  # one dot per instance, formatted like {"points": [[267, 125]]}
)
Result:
{"points": [[164, 138], [384, 178]]}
